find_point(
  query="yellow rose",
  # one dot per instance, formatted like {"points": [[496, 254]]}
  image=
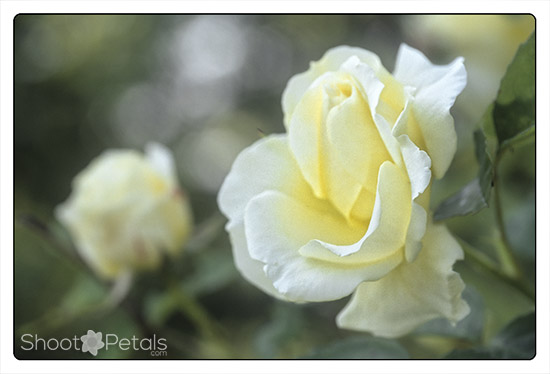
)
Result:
{"points": [[338, 204], [126, 208]]}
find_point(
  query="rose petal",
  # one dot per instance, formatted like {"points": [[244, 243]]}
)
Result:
{"points": [[365, 75], [311, 147], [418, 165], [355, 140], [252, 270], [406, 123], [331, 61], [277, 225], [392, 145], [415, 232], [436, 90], [160, 157], [411, 294], [387, 230], [265, 165]]}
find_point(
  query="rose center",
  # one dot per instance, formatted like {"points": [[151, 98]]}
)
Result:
{"points": [[338, 92]]}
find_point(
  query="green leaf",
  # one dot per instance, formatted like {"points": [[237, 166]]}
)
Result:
{"points": [[515, 341], [475, 195], [514, 109], [519, 80], [513, 118], [361, 348], [469, 200]]}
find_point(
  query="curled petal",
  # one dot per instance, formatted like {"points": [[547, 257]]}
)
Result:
{"points": [[277, 225], [387, 230], [418, 165], [436, 90]]}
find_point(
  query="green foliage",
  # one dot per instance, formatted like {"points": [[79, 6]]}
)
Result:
{"points": [[204, 280], [519, 337], [286, 323], [475, 195], [84, 292], [514, 109], [508, 123], [358, 347], [159, 307], [502, 302], [515, 341]]}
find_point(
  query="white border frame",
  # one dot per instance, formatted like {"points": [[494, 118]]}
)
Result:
{"points": [[9, 9]]}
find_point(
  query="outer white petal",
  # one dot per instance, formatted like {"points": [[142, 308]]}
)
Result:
{"points": [[277, 225], [251, 269], [411, 294], [330, 61], [265, 165], [436, 90]]}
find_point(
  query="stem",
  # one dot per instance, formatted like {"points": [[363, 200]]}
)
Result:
{"points": [[194, 311], [208, 328], [505, 253], [491, 267]]}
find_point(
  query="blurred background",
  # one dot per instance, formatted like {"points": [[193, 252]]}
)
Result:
{"points": [[207, 86]]}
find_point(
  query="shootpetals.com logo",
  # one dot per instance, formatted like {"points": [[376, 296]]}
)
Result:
{"points": [[93, 341]]}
